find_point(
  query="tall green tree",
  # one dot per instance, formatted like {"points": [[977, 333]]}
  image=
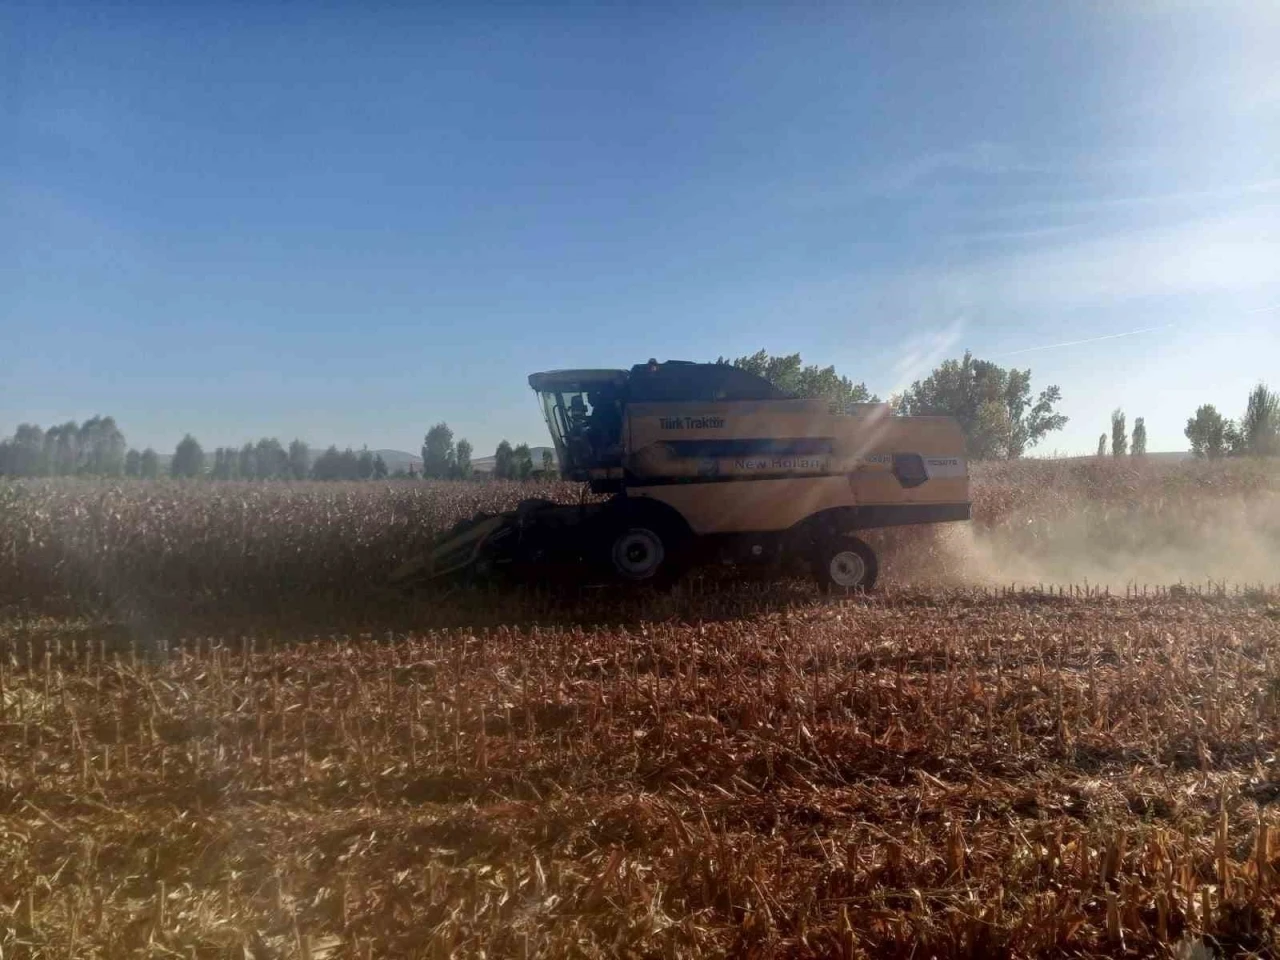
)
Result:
{"points": [[26, 452], [548, 462], [1119, 434], [327, 466], [247, 463], [270, 462], [149, 464], [379, 467], [1139, 437], [992, 405], [438, 452], [222, 464], [1207, 431], [188, 458], [364, 465], [1102, 444], [335, 465], [299, 460], [132, 463], [504, 462], [1260, 425], [62, 446], [100, 448], [462, 459], [789, 373], [523, 461]]}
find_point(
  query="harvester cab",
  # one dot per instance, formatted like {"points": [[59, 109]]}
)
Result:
{"points": [[583, 411], [694, 462]]}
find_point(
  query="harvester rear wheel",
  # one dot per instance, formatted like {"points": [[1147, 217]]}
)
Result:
{"points": [[842, 564]]}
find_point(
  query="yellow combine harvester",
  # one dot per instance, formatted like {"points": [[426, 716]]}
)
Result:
{"points": [[707, 462]]}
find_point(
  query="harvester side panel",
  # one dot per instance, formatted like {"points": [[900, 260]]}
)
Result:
{"points": [[767, 465], [768, 505]]}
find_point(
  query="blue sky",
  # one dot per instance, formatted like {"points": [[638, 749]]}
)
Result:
{"points": [[344, 224]]}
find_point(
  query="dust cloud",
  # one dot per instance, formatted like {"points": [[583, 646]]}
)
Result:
{"points": [[1156, 540]]}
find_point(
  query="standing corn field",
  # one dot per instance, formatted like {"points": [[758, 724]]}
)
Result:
{"points": [[220, 740]]}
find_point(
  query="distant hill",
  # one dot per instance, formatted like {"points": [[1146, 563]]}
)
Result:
{"points": [[397, 460]]}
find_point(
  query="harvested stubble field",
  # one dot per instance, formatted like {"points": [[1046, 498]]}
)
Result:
{"points": [[220, 738]]}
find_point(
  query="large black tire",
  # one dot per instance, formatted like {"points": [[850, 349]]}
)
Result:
{"points": [[844, 564], [645, 549]]}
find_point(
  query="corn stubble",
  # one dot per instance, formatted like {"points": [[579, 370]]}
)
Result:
{"points": [[745, 771]]}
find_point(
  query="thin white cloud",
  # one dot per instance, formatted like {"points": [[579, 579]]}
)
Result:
{"points": [[1232, 192], [983, 157], [1228, 255], [1006, 236], [1076, 343]]}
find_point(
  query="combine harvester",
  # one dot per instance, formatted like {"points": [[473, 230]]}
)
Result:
{"points": [[699, 462]]}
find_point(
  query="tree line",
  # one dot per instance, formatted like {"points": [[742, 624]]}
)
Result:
{"points": [[443, 459], [996, 410], [995, 407], [1256, 433], [97, 448], [1002, 418], [94, 448], [1120, 441], [1212, 436]]}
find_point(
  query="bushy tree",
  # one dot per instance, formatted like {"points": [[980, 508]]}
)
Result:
{"points": [[335, 465], [222, 463], [788, 373], [24, 454], [246, 463], [1207, 431], [548, 462], [992, 405], [270, 462], [462, 459], [504, 462], [95, 448], [379, 467], [327, 466], [132, 463], [149, 465], [100, 448], [1260, 425], [299, 460], [364, 465], [1119, 434], [1139, 437], [523, 461], [438, 452], [188, 458], [1233, 440], [62, 449], [1102, 444]]}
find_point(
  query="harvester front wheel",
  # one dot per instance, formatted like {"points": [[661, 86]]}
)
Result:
{"points": [[843, 564], [644, 553], [637, 553]]}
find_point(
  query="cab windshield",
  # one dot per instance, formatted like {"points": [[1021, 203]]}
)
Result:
{"points": [[585, 427]]}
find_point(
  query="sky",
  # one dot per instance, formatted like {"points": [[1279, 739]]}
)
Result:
{"points": [[345, 222]]}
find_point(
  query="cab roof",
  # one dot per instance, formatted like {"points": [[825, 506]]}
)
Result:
{"points": [[571, 380], [674, 380]]}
